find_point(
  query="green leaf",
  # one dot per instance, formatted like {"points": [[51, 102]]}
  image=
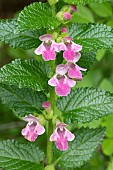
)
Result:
{"points": [[102, 10], [22, 101], [25, 39], [81, 149], [86, 104], [36, 16], [87, 59], [26, 73], [107, 147], [110, 167], [93, 36], [83, 15], [77, 2], [16, 156]]}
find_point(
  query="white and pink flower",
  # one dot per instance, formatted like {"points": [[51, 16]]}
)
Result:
{"points": [[71, 50], [32, 129], [62, 84], [74, 71], [61, 136], [48, 47]]}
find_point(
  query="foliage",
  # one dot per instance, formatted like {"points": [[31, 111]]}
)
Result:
{"points": [[24, 83]]}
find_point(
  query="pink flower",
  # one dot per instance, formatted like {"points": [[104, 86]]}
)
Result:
{"points": [[71, 50], [61, 136], [67, 16], [48, 47], [32, 129], [63, 84], [75, 71]]}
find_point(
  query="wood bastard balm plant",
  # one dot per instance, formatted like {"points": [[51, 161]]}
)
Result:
{"points": [[44, 94]]}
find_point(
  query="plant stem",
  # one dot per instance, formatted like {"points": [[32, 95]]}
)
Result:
{"points": [[50, 131], [49, 144]]}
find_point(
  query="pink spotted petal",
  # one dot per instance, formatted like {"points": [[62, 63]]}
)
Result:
{"points": [[39, 129], [54, 47], [31, 136], [45, 37], [80, 68], [24, 131], [40, 49], [76, 47], [69, 55], [54, 136], [69, 135], [62, 144], [62, 46], [53, 81], [30, 118], [62, 89], [77, 57], [75, 73], [62, 69], [49, 55], [70, 82]]}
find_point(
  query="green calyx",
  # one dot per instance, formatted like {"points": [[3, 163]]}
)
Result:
{"points": [[52, 2], [49, 167]]}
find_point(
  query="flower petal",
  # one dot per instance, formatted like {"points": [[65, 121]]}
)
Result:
{"points": [[40, 49], [70, 136], [77, 57], [62, 69], [62, 89], [54, 46], [69, 55], [45, 37], [30, 118], [75, 73], [39, 129], [49, 55], [53, 81], [62, 144], [70, 82], [76, 47], [54, 136]]}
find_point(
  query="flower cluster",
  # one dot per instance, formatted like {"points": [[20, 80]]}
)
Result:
{"points": [[61, 135], [71, 54]]}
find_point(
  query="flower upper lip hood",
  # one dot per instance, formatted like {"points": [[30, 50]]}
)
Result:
{"points": [[61, 136]]}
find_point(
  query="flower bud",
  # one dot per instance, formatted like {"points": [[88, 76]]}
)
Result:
{"points": [[64, 29], [67, 16], [52, 2], [49, 167], [59, 16], [73, 8]]}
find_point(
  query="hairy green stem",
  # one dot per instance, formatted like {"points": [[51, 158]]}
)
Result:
{"points": [[49, 144], [50, 131]]}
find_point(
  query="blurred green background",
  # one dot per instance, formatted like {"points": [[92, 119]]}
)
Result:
{"points": [[100, 75]]}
